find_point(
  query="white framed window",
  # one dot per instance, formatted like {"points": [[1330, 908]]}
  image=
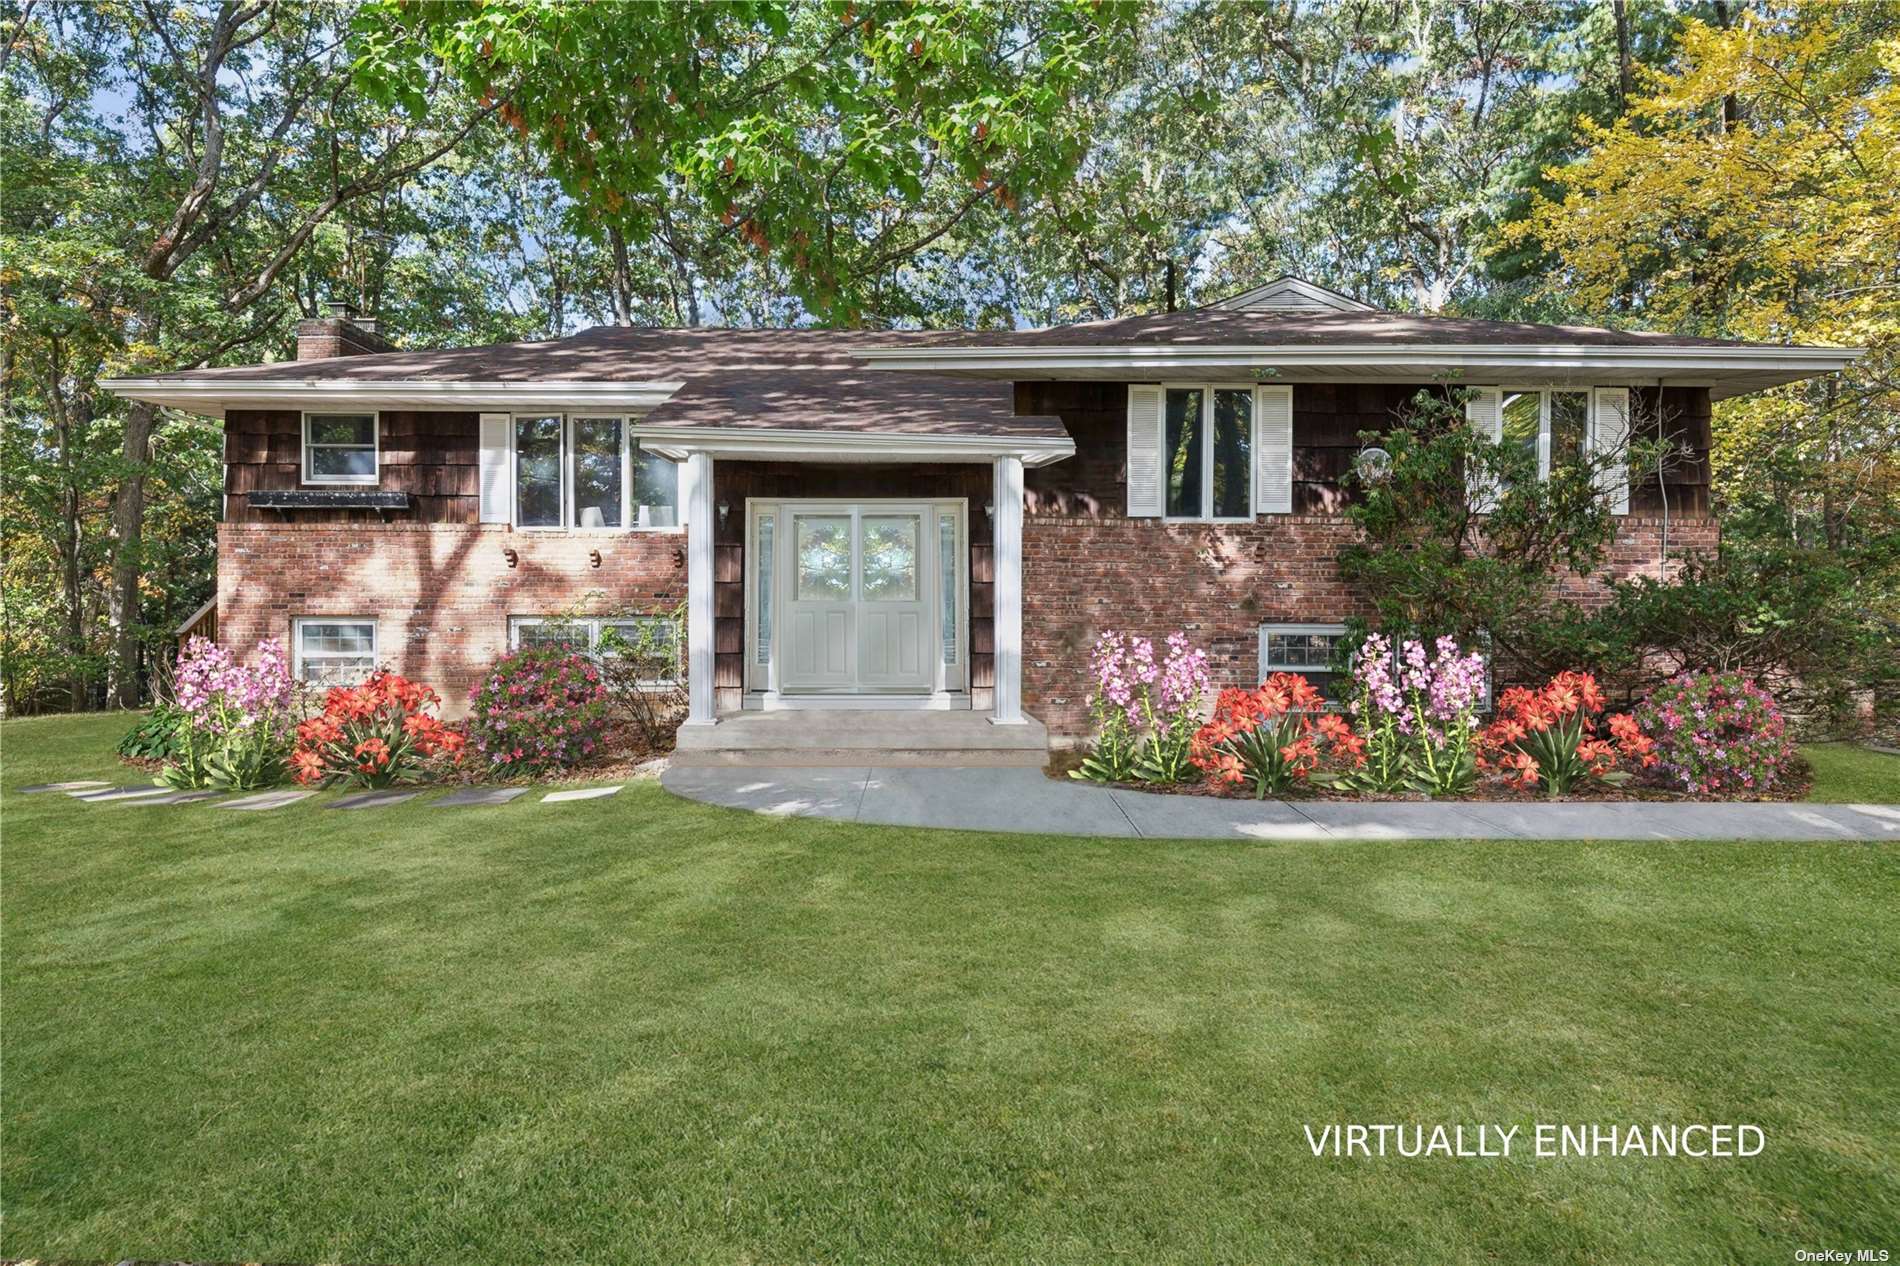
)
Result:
{"points": [[586, 471], [333, 650], [1553, 425], [654, 636], [1207, 451], [1306, 649], [341, 448]]}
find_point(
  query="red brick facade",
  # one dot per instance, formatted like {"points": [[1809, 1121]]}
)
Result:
{"points": [[1219, 583], [441, 595]]}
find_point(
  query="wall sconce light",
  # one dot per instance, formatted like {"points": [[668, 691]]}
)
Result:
{"points": [[725, 508], [514, 559], [593, 556], [989, 509]]}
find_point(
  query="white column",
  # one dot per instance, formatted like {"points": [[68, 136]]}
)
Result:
{"points": [[1006, 544], [696, 494]]}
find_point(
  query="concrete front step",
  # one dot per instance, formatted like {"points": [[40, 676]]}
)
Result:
{"points": [[842, 739]]}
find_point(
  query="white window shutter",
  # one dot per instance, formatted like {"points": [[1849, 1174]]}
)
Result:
{"points": [[1273, 450], [1610, 436], [1144, 451], [1485, 412], [496, 488]]}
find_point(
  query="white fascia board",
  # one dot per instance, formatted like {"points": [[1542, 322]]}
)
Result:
{"points": [[1504, 358], [740, 443], [212, 396]]}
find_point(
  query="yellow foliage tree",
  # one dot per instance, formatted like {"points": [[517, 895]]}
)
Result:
{"points": [[1754, 192]]}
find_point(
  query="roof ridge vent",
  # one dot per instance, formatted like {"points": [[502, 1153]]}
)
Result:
{"points": [[1292, 294]]}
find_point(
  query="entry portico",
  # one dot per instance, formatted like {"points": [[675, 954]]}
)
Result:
{"points": [[904, 595]]}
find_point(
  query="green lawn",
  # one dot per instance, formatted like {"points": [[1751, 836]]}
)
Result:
{"points": [[643, 1030], [1845, 773]]}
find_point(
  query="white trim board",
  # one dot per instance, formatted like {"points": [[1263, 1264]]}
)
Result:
{"points": [[1729, 370], [727, 443], [212, 396]]}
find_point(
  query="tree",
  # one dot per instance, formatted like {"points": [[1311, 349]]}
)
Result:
{"points": [[1754, 192], [842, 139], [166, 235], [1460, 536]]}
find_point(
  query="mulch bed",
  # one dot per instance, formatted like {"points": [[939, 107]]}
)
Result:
{"points": [[1793, 786]]}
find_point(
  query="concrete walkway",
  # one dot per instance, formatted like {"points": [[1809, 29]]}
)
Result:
{"points": [[1024, 800]]}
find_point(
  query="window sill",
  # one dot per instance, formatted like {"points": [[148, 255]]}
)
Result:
{"points": [[363, 497], [601, 531]]}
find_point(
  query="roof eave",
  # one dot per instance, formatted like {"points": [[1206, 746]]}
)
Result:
{"points": [[1357, 356], [213, 396], [765, 444]]}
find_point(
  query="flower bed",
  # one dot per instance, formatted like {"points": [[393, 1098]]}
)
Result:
{"points": [[382, 733], [1414, 726]]}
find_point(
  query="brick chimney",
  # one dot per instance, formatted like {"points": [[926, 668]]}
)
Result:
{"points": [[339, 332]]}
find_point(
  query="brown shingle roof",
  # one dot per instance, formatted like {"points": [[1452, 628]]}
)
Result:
{"points": [[852, 398], [1215, 327], [808, 379]]}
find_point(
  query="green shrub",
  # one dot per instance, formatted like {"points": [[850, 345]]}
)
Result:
{"points": [[538, 710], [159, 736], [1716, 732]]}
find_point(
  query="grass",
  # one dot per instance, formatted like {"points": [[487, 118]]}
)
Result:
{"points": [[638, 1029], [1846, 773]]}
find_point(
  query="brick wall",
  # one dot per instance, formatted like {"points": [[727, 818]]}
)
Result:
{"points": [[441, 594], [321, 338], [1219, 583]]}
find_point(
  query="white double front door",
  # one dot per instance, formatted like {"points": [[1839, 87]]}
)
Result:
{"points": [[856, 597]]}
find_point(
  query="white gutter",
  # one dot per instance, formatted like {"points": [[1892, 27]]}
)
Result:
{"points": [[212, 396], [1509, 357], [754, 443]]}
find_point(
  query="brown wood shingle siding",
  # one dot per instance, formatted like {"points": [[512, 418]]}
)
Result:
{"points": [[431, 456], [1327, 421]]}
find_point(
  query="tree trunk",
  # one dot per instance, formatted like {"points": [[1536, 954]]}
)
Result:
{"points": [[70, 423], [1625, 73], [622, 278], [1731, 105], [128, 525]]}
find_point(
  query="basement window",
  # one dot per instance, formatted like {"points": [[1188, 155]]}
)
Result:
{"points": [[1306, 649], [652, 637], [340, 448], [334, 651]]}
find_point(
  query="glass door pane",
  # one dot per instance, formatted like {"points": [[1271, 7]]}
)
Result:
{"points": [[822, 553], [890, 557], [950, 585]]}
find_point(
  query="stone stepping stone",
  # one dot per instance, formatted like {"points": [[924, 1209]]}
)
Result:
{"points": [[266, 800], [69, 787], [479, 796], [120, 793], [176, 797], [372, 799], [583, 793]]}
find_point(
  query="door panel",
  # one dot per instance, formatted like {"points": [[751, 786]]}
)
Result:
{"points": [[820, 616], [861, 594], [892, 599]]}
